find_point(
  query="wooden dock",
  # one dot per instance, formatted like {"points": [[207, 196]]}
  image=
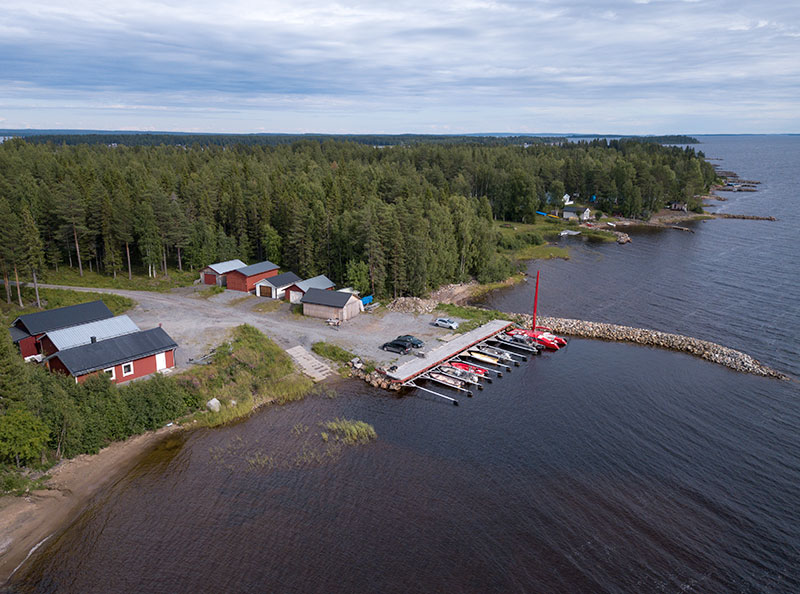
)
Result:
{"points": [[417, 366]]}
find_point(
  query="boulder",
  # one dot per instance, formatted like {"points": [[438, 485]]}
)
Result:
{"points": [[213, 405]]}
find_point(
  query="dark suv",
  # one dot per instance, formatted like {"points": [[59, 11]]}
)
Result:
{"points": [[396, 346], [412, 341]]}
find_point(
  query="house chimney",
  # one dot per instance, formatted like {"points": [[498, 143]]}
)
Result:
{"points": [[93, 339]]}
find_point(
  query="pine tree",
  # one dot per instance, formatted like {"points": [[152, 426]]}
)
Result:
{"points": [[32, 250]]}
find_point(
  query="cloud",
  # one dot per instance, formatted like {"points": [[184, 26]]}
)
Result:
{"points": [[359, 61]]}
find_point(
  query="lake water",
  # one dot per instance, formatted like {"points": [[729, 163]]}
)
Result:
{"points": [[601, 468]]}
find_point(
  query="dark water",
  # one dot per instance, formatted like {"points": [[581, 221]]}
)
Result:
{"points": [[736, 282], [602, 468]]}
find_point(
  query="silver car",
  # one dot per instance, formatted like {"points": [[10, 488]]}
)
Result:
{"points": [[446, 323]]}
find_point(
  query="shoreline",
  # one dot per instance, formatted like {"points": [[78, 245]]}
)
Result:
{"points": [[28, 521]]}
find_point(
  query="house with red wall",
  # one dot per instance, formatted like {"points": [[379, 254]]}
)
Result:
{"points": [[245, 279], [294, 293], [123, 358], [28, 330]]}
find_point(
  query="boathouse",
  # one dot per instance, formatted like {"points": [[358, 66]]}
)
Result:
{"points": [[245, 279], [275, 287], [123, 358], [216, 274], [295, 292], [319, 303], [27, 330]]}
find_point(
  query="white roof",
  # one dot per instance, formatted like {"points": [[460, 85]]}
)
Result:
{"points": [[227, 266], [67, 338]]}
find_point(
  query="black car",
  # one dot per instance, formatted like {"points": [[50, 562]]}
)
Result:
{"points": [[396, 346], [413, 341]]}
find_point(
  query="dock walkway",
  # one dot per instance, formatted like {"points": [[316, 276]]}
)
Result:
{"points": [[413, 368]]}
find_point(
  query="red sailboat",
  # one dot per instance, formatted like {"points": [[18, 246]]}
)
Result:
{"points": [[541, 334]]}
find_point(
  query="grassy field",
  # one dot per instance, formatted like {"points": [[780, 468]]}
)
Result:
{"points": [[474, 316], [246, 372], [332, 352], [53, 298], [139, 282], [528, 241]]}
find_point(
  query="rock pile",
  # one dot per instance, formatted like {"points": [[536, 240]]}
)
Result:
{"points": [[622, 238], [413, 305], [375, 378], [704, 349]]}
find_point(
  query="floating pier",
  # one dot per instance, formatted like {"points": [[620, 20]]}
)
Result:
{"points": [[412, 369]]}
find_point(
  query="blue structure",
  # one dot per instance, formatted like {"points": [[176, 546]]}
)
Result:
{"points": [[367, 300]]}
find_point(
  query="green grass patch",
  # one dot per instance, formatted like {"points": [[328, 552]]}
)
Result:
{"points": [[348, 431], [542, 252], [53, 298], [210, 291], [332, 352], [139, 282], [246, 372], [473, 316], [15, 481], [485, 288], [268, 305]]}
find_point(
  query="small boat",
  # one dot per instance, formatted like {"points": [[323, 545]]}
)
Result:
{"points": [[459, 373], [471, 368], [482, 357], [567, 232], [499, 354], [520, 340], [446, 379]]}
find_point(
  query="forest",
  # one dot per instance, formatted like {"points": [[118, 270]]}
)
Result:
{"points": [[391, 220]]}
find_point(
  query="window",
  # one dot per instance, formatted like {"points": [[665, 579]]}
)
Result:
{"points": [[127, 368], [110, 371]]}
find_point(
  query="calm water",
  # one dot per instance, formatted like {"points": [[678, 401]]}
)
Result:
{"points": [[601, 468]]}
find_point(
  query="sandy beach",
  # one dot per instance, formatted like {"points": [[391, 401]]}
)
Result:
{"points": [[27, 521]]}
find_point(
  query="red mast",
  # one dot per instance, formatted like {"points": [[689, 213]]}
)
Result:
{"points": [[535, 301]]}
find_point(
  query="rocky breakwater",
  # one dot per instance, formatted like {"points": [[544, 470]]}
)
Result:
{"points": [[373, 378], [704, 349]]}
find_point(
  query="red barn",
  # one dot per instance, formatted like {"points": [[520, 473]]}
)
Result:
{"points": [[27, 330], [123, 358], [216, 274], [245, 279]]}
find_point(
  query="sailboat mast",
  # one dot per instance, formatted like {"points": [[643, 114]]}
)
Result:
{"points": [[535, 301]]}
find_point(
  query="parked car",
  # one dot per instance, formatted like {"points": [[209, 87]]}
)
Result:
{"points": [[446, 323], [396, 346], [415, 342]]}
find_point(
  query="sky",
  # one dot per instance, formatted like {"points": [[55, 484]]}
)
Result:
{"points": [[402, 66]]}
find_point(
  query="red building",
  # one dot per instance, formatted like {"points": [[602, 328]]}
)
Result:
{"points": [[217, 274], [294, 293], [245, 279], [123, 358], [27, 330]]}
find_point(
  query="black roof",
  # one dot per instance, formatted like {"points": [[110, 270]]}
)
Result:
{"points": [[105, 353], [17, 334], [63, 317], [282, 280], [264, 266], [329, 298]]}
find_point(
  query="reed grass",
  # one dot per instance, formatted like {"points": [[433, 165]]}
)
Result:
{"points": [[350, 432]]}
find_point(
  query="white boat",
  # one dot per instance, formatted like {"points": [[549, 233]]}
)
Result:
{"points": [[499, 354], [482, 357], [566, 232], [446, 379]]}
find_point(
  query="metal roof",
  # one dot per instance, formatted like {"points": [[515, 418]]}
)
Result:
{"points": [[253, 269], [329, 298], [17, 334], [122, 349], [318, 282], [280, 281], [63, 317], [227, 266], [68, 338]]}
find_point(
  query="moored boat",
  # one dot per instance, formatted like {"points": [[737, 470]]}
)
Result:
{"points": [[459, 373], [482, 357], [446, 379], [546, 339], [471, 368], [497, 353]]}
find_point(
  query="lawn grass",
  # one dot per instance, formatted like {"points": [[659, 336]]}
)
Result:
{"points": [[473, 316], [53, 298], [332, 352], [139, 282]]}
